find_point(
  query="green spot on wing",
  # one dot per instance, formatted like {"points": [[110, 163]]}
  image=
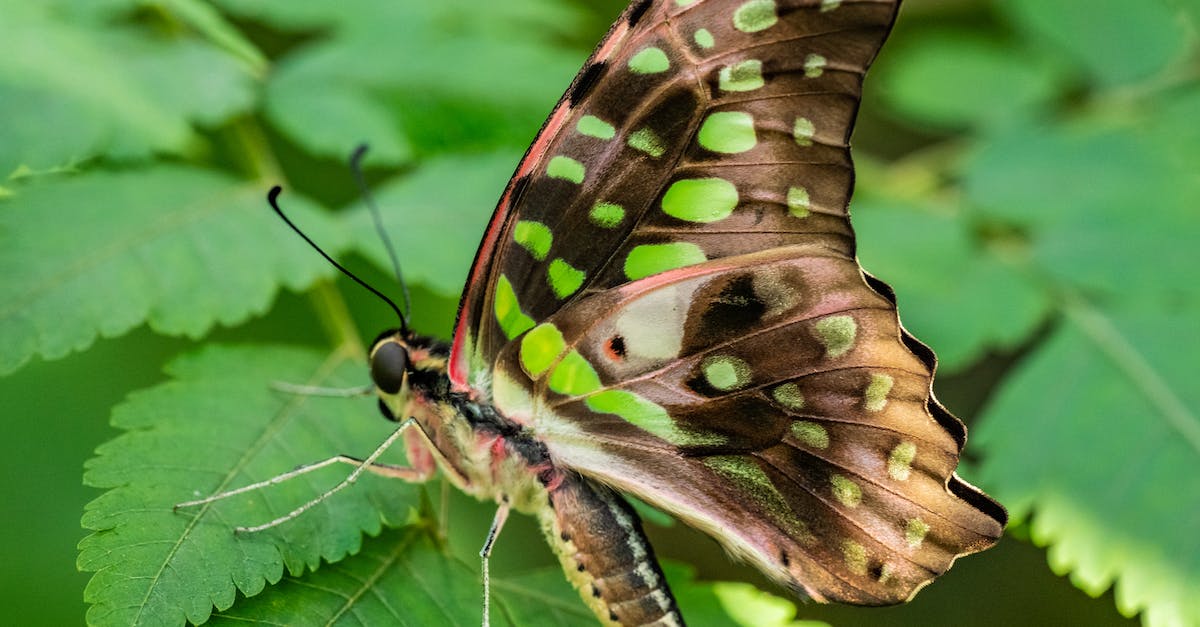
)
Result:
{"points": [[748, 475], [725, 373], [837, 334], [647, 141], [803, 131], [755, 15], [700, 200], [649, 259], [645, 414], [855, 556], [606, 214], [632, 407], [593, 126], [739, 467], [846, 491], [798, 202], [900, 461], [704, 39], [743, 76], [728, 132], [814, 65], [877, 391], [811, 434], [508, 312], [914, 532], [565, 168], [649, 60], [564, 278], [574, 376], [534, 237], [540, 347], [789, 396]]}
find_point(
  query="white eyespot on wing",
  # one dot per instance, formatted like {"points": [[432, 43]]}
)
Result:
{"points": [[653, 324]]}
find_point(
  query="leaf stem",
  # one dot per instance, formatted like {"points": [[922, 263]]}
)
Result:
{"points": [[1131, 362], [255, 151]]}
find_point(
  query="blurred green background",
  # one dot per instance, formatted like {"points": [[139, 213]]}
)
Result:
{"points": [[1029, 182]]}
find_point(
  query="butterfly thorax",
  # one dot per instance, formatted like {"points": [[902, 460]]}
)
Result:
{"points": [[484, 453]]}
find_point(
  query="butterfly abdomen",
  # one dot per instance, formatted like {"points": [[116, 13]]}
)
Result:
{"points": [[599, 540]]}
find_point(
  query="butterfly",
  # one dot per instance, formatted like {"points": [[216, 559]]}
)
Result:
{"points": [[667, 304]]}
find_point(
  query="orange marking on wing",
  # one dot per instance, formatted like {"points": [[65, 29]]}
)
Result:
{"points": [[614, 348], [617, 38], [538, 149]]}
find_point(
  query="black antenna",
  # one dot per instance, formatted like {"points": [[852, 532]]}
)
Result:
{"points": [[356, 167], [272, 197]]}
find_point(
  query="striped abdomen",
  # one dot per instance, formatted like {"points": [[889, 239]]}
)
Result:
{"points": [[599, 540]]}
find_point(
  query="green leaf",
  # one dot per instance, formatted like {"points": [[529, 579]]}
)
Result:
{"points": [[1045, 176], [178, 248], [1097, 201], [451, 197], [218, 425], [539, 18], [96, 11], [333, 122], [723, 603], [191, 79], [1169, 126], [210, 23], [956, 78], [649, 513], [139, 94], [1097, 436], [1189, 10], [538, 597], [954, 294], [1118, 42], [403, 578], [431, 62], [399, 578]]}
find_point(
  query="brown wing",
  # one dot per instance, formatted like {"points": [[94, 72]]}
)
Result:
{"points": [[772, 400], [696, 131]]}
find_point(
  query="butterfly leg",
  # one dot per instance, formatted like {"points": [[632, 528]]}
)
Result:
{"points": [[486, 553], [604, 552], [421, 472]]}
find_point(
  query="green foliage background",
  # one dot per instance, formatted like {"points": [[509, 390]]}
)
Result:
{"points": [[1029, 182]]}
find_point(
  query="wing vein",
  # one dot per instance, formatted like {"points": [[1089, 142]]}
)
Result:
{"points": [[675, 363], [867, 535]]}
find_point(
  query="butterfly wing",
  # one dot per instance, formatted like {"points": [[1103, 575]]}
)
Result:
{"points": [[668, 298], [770, 399], [696, 130]]}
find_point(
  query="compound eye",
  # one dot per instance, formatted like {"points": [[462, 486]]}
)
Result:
{"points": [[388, 365]]}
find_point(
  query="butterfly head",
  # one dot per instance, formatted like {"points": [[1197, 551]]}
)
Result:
{"points": [[401, 361]]}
